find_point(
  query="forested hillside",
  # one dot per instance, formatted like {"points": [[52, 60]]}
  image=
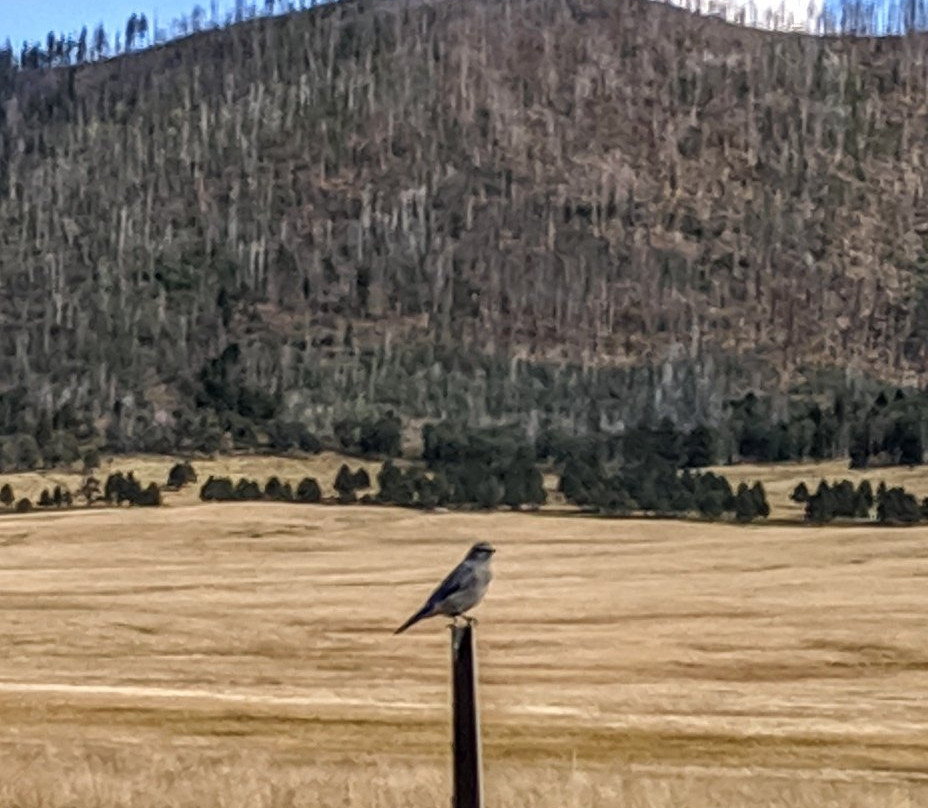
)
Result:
{"points": [[583, 213]]}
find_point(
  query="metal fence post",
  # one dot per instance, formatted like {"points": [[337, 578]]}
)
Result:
{"points": [[468, 785]]}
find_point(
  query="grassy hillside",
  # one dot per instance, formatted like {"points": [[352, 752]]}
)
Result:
{"points": [[574, 209]]}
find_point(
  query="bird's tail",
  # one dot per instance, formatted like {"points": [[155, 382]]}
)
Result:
{"points": [[425, 611]]}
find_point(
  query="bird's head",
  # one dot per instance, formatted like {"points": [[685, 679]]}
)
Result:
{"points": [[481, 551]]}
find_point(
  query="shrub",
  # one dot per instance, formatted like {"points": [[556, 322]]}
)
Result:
{"points": [[45, 499], [24, 505], [6, 495]]}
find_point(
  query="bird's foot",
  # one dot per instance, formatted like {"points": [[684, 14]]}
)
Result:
{"points": [[468, 620]]}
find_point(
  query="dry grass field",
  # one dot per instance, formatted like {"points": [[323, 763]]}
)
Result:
{"points": [[779, 479], [241, 655], [155, 468]]}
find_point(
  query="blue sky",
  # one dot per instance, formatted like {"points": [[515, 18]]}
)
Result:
{"points": [[33, 19]]}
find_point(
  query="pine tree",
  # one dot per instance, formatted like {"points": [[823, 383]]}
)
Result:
{"points": [[761, 507], [308, 490], [344, 485], [820, 506], [745, 504], [699, 447]]}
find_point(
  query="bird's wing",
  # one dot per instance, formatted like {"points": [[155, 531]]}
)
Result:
{"points": [[461, 577]]}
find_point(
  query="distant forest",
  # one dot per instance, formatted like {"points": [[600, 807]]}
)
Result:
{"points": [[566, 217]]}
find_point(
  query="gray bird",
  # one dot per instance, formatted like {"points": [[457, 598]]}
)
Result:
{"points": [[463, 589]]}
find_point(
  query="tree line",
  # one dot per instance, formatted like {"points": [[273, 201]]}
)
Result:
{"points": [[845, 501], [885, 428]]}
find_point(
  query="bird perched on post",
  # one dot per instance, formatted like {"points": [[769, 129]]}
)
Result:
{"points": [[463, 589]]}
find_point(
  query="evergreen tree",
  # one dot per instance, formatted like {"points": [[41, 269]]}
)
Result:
{"points": [[276, 491], [535, 494], [91, 460], [859, 448], [682, 500], [149, 497], [431, 492], [897, 506], [308, 490], [699, 448], [911, 452], [45, 499], [6, 495], [800, 493], [82, 46], [217, 489], [820, 506], [518, 479], [745, 504], [382, 437], [246, 490], [761, 507], [864, 497], [361, 479], [489, 492], [344, 485], [180, 475], [579, 482], [844, 499], [390, 483]]}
